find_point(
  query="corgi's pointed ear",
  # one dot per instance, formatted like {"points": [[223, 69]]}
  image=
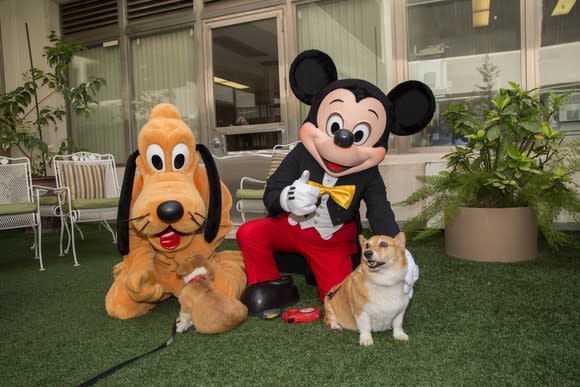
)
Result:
{"points": [[214, 212], [413, 107], [310, 72], [124, 207], [362, 240], [401, 239]]}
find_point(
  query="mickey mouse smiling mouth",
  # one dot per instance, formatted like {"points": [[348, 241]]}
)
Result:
{"points": [[334, 167]]}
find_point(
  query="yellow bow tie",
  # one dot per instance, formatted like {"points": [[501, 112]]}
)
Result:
{"points": [[340, 194]]}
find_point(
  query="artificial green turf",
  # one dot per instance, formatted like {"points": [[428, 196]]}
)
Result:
{"points": [[469, 324]]}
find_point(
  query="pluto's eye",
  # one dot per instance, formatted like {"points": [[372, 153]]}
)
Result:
{"points": [[334, 124], [361, 132], [180, 157], [383, 245], [155, 158]]}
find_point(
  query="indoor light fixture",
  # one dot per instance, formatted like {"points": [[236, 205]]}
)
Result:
{"points": [[480, 5], [563, 7], [480, 10], [232, 84]]}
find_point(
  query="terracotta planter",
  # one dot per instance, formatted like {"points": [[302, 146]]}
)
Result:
{"points": [[493, 235]]}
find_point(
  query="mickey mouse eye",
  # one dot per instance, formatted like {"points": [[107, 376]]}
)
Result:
{"points": [[155, 157], [334, 124], [180, 157], [361, 133], [383, 245]]}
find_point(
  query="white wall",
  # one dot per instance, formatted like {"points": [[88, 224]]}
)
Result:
{"points": [[42, 17]]}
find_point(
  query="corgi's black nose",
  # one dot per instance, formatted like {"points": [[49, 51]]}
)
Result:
{"points": [[368, 254], [170, 211]]}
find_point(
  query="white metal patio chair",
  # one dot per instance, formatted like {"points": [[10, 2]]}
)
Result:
{"points": [[19, 200], [91, 192], [251, 192]]}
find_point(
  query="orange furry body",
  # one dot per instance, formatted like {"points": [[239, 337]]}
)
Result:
{"points": [[169, 205], [372, 298]]}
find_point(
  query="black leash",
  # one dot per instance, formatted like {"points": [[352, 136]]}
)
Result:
{"points": [[111, 370]]}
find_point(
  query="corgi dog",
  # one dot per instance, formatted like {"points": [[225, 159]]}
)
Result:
{"points": [[374, 297], [207, 310]]}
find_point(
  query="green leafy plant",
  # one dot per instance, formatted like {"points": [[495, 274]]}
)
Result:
{"points": [[513, 157], [24, 114]]}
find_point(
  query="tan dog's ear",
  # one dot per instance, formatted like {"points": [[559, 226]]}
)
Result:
{"points": [[401, 239], [184, 268], [125, 204], [361, 240]]}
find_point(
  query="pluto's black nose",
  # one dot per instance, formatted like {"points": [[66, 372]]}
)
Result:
{"points": [[170, 211], [368, 253]]}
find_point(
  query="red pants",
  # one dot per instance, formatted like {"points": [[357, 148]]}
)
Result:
{"points": [[330, 260]]}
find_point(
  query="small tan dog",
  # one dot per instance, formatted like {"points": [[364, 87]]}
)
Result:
{"points": [[374, 297], [201, 306]]}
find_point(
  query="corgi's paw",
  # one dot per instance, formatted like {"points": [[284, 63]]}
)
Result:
{"points": [[335, 326], [183, 323], [365, 339], [400, 335]]}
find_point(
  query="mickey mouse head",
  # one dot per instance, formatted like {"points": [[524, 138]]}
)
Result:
{"points": [[348, 125]]}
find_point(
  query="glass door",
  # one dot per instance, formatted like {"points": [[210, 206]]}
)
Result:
{"points": [[244, 81]]}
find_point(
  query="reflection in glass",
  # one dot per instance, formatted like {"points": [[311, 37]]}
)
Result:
{"points": [[102, 131], [462, 49], [246, 84], [559, 58], [351, 32], [164, 71]]}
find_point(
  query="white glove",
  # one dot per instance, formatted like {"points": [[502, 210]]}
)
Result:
{"points": [[412, 274], [299, 198]]}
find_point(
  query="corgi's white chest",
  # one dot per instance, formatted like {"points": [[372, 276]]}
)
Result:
{"points": [[384, 304]]}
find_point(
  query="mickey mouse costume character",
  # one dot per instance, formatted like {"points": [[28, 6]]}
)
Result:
{"points": [[314, 196]]}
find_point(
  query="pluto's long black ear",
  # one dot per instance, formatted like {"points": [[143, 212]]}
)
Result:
{"points": [[310, 72], [124, 208], [413, 107], [214, 212]]}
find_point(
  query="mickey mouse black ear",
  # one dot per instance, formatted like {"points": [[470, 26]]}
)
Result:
{"points": [[310, 72], [413, 107]]}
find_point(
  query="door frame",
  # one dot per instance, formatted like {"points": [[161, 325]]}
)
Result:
{"points": [[215, 135]]}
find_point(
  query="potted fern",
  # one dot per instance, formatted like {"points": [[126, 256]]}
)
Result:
{"points": [[512, 176]]}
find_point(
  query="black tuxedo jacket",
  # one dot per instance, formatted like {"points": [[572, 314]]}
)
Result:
{"points": [[369, 187]]}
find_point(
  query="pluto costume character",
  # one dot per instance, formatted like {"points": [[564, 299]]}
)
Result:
{"points": [[314, 196], [171, 212]]}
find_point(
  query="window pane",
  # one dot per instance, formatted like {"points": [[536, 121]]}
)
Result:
{"points": [[1, 68], [164, 71], [246, 77], [560, 58], [454, 45], [103, 130], [351, 32]]}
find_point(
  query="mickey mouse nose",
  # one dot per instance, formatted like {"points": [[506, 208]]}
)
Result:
{"points": [[343, 138], [170, 211]]}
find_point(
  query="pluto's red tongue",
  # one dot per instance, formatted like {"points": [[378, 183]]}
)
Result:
{"points": [[169, 240]]}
